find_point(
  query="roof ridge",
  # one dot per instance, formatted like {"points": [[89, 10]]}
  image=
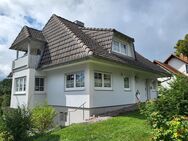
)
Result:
{"points": [[83, 45], [97, 29]]}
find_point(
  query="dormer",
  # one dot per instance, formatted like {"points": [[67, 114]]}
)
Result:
{"points": [[29, 45], [123, 45]]}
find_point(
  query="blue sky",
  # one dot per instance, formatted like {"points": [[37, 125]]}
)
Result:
{"points": [[155, 25]]}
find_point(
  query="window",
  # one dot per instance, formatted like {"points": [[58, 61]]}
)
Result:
{"points": [[102, 80], [119, 47], [126, 83], [75, 80], [186, 68], [20, 84], [39, 84], [63, 116], [154, 84]]}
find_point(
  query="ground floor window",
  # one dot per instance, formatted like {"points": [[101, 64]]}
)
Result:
{"points": [[20, 84], [126, 83], [39, 84], [74, 80], [102, 80]]}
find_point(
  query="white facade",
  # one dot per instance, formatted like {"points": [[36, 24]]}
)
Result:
{"points": [[177, 64]]}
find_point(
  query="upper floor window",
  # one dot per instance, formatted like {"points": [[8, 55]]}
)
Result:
{"points": [[74, 80], [119, 47], [102, 80], [186, 68], [20, 84], [39, 84]]}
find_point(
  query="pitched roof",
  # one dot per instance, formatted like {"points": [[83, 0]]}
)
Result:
{"points": [[181, 58], [28, 32], [67, 42], [167, 67]]}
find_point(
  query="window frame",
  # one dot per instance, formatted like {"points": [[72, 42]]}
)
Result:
{"points": [[120, 44], [103, 88], [74, 88], [127, 89], [38, 77], [23, 85]]}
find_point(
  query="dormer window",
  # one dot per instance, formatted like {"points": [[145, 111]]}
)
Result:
{"points": [[119, 47]]}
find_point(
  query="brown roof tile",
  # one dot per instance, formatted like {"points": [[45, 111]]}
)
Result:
{"points": [[67, 42]]}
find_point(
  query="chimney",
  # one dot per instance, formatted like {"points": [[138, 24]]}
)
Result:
{"points": [[79, 23]]}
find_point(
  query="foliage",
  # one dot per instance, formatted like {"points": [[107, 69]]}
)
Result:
{"points": [[15, 124], [5, 92], [182, 46], [174, 130], [6, 100], [5, 87], [172, 102], [128, 127], [42, 118]]}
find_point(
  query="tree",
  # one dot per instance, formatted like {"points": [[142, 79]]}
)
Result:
{"points": [[5, 92], [182, 46]]}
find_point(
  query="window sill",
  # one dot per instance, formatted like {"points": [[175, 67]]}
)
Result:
{"points": [[74, 89], [20, 93], [127, 90], [40, 92], [103, 89]]}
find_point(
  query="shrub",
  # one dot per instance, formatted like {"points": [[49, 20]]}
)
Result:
{"points": [[42, 118], [6, 100], [174, 130], [172, 102], [15, 124]]}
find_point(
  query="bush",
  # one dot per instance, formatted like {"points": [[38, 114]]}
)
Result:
{"points": [[15, 124], [174, 130], [172, 102], [6, 100], [42, 118]]}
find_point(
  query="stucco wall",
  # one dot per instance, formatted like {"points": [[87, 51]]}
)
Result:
{"points": [[56, 93], [177, 64]]}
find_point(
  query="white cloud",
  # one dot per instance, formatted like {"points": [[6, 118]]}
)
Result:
{"points": [[155, 25]]}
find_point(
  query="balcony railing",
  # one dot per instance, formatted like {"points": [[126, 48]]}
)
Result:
{"points": [[30, 61]]}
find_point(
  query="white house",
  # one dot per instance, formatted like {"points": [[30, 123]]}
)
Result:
{"points": [[175, 65], [80, 71]]}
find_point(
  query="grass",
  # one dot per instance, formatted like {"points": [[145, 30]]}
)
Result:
{"points": [[130, 127]]}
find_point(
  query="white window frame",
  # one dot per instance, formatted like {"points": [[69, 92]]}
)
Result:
{"points": [[126, 89], [23, 86], [120, 49], [74, 88], [39, 84], [103, 88]]}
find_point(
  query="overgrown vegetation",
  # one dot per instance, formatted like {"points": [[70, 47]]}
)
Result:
{"points": [[168, 114], [42, 118], [5, 92], [15, 124], [18, 124]]}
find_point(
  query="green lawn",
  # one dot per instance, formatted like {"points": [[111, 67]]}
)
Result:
{"points": [[130, 127]]}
